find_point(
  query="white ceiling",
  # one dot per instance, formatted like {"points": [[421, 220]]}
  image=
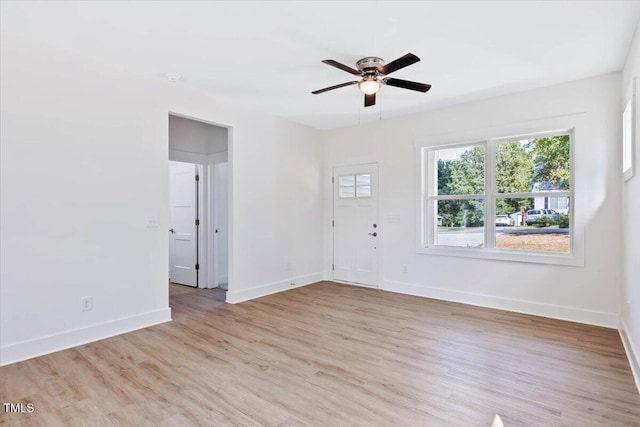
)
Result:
{"points": [[266, 55]]}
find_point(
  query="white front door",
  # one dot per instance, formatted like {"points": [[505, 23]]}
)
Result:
{"points": [[183, 243], [356, 228]]}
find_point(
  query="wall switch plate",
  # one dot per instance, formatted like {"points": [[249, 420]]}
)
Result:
{"points": [[152, 221], [393, 218], [405, 269], [86, 303]]}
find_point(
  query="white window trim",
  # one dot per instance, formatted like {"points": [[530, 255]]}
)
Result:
{"points": [[567, 124], [630, 106]]}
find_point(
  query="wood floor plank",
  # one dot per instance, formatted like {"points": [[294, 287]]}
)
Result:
{"points": [[332, 354]]}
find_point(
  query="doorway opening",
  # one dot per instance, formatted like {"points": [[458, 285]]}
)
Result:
{"points": [[199, 203]]}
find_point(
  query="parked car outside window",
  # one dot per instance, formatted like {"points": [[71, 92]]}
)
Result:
{"points": [[504, 220], [533, 215]]}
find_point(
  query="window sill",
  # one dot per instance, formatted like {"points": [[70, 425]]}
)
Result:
{"points": [[513, 256]]}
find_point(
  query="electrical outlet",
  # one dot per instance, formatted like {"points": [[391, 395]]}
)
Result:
{"points": [[405, 269], [86, 303], [288, 266]]}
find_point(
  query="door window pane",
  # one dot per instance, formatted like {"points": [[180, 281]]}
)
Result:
{"points": [[363, 191], [358, 186], [363, 179], [347, 180], [347, 192]]}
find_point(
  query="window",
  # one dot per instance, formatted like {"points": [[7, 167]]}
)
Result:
{"points": [[560, 204], [628, 130], [499, 196], [354, 186], [459, 196]]}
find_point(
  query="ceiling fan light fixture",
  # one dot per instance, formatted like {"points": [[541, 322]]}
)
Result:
{"points": [[369, 87], [370, 69]]}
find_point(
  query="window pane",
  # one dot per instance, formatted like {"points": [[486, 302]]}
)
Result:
{"points": [[363, 191], [460, 170], [539, 164], [347, 192], [363, 179], [537, 229], [627, 140], [514, 167], [347, 180], [551, 165], [514, 209], [460, 223]]}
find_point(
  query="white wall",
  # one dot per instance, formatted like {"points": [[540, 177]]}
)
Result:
{"points": [[84, 148], [630, 322], [83, 158], [196, 137], [282, 207], [588, 294]]}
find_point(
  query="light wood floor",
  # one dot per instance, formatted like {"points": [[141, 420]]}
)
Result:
{"points": [[332, 355]]}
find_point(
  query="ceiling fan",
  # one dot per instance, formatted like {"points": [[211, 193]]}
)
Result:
{"points": [[371, 69]]}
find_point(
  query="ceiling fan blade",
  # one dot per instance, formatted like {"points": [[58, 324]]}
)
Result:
{"points": [[341, 66], [369, 100], [406, 84], [399, 63], [315, 92]]}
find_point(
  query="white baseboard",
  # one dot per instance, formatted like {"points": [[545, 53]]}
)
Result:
{"points": [[598, 318], [272, 288], [17, 352], [632, 352], [361, 285]]}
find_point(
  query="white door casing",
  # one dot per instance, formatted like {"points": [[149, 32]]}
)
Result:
{"points": [[356, 227], [221, 208], [183, 230]]}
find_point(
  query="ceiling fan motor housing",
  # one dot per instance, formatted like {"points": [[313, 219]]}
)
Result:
{"points": [[369, 66]]}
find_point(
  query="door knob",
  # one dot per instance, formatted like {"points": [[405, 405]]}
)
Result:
{"points": [[374, 234], [172, 230]]}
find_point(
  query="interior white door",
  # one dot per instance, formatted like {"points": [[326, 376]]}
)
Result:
{"points": [[183, 253], [356, 228]]}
